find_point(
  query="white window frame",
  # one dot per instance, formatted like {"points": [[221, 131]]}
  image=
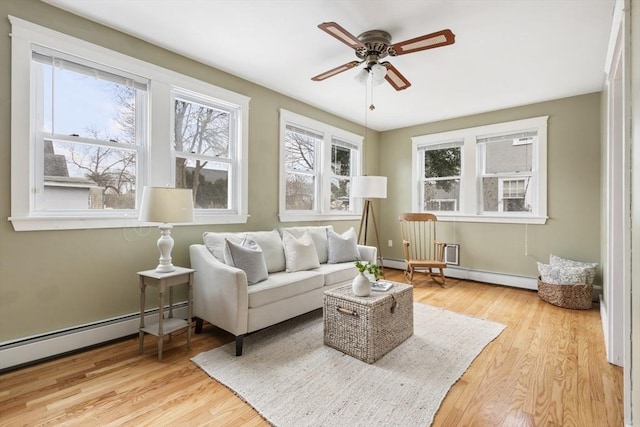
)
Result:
{"points": [[323, 210], [157, 150], [470, 185], [422, 149]]}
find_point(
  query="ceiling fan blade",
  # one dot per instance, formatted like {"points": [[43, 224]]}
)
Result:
{"points": [[332, 72], [341, 34], [428, 41], [395, 79]]}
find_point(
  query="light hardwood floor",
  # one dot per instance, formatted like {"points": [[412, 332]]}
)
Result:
{"points": [[547, 368]]}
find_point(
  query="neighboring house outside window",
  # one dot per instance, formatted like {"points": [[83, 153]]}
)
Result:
{"points": [[92, 127], [493, 173], [317, 164]]}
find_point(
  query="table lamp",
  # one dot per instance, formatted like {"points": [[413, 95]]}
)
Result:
{"points": [[166, 205]]}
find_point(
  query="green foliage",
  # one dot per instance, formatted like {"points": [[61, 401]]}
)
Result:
{"points": [[369, 267], [442, 163]]}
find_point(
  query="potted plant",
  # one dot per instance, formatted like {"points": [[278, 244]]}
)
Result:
{"points": [[361, 286]]}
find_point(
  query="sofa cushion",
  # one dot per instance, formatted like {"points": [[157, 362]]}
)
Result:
{"points": [[337, 273], [342, 247], [284, 285], [300, 254], [248, 257], [271, 245], [215, 242], [319, 236]]}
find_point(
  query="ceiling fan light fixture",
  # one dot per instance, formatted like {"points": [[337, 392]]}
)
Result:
{"points": [[362, 76], [378, 73]]}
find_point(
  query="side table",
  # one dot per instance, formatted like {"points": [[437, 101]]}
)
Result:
{"points": [[162, 281]]}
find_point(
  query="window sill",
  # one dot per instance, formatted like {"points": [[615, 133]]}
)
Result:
{"points": [[83, 223], [299, 217], [499, 219]]}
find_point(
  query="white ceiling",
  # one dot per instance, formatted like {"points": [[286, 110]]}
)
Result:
{"points": [[507, 52]]}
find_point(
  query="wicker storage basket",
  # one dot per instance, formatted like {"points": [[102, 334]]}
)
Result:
{"points": [[367, 328], [577, 296]]}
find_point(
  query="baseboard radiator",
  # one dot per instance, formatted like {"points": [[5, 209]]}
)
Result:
{"points": [[25, 351]]}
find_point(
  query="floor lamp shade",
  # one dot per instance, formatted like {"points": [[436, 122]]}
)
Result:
{"points": [[165, 205], [369, 187]]}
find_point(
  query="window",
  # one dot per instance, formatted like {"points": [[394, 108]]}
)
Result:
{"points": [[317, 164], [493, 173], [91, 127], [204, 144], [440, 186], [89, 135]]}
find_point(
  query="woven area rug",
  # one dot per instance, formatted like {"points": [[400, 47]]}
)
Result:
{"points": [[292, 379]]}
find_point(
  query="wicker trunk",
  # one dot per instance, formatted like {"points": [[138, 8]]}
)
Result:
{"points": [[367, 328], [577, 296]]}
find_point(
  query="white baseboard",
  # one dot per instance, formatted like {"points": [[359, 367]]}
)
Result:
{"points": [[478, 276], [24, 351]]}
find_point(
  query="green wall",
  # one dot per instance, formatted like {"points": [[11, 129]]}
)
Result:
{"points": [[573, 227], [51, 280]]}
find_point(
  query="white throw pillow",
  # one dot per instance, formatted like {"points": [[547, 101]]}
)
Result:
{"points": [[342, 247], [300, 254], [319, 236], [561, 275], [590, 268], [248, 257]]}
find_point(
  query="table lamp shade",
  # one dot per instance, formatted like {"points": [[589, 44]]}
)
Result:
{"points": [[164, 204], [369, 187]]}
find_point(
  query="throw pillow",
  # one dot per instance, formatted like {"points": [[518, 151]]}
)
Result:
{"points": [[215, 242], [248, 257], [561, 275], [319, 236], [591, 268], [300, 254], [271, 244], [342, 247]]}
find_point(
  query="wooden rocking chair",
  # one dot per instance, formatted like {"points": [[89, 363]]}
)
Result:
{"points": [[422, 252]]}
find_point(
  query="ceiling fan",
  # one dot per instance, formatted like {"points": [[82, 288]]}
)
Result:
{"points": [[372, 46]]}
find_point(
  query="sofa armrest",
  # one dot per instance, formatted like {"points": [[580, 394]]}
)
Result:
{"points": [[220, 294], [368, 253]]}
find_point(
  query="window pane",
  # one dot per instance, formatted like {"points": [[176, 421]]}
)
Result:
{"points": [[300, 192], [340, 194], [84, 176], [201, 129], [507, 156], [444, 162], [208, 180], [442, 195], [340, 160], [87, 106], [513, 197], [300, 150]]}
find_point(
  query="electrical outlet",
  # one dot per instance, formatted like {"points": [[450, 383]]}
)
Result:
{"points": [[390, 243]]}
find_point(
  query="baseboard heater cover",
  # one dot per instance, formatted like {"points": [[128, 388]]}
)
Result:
{"points": [[39, 347]]}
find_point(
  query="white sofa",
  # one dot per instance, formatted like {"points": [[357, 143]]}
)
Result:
{"points": [[223, 297]]}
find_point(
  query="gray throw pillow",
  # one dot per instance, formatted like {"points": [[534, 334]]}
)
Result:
{"points": [[342, 247], [248, 257]]}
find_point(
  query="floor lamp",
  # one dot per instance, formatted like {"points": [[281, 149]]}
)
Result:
{"points": [[367, 188]]}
